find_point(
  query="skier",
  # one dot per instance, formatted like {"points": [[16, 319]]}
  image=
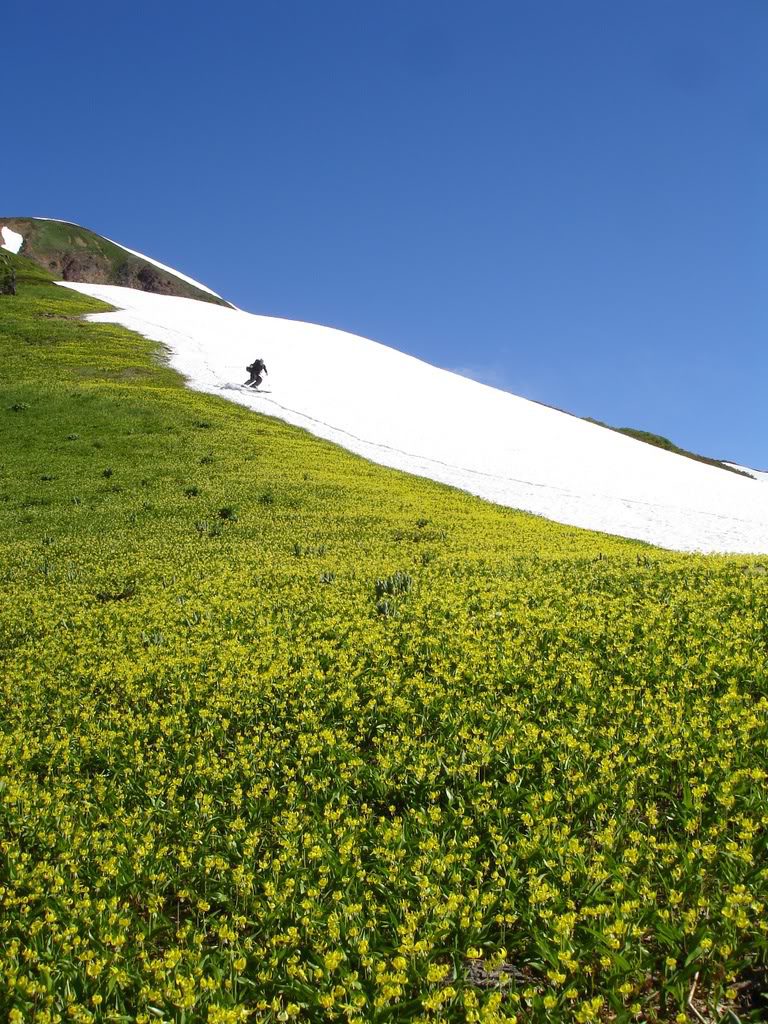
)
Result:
{"points": [[256, 369]]}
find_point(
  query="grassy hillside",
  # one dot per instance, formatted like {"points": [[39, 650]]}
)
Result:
{"points": [[73, 253], [289, 736]]}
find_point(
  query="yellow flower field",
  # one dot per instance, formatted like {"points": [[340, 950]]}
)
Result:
{"points": [[288, 736]]}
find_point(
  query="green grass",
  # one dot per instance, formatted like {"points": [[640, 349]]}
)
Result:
{"points": [[285, 735]]}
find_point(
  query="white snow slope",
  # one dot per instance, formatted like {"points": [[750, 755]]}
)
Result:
{"points": [[11, 239], [401, 412]]}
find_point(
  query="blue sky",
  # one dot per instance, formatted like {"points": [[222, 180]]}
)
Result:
{"points": [[567, 200]]}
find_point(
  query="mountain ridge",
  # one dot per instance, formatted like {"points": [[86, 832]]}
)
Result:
{"points": [[76, 253]]}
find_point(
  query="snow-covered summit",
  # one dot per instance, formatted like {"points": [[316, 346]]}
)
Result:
{"points": [[399, 411]]}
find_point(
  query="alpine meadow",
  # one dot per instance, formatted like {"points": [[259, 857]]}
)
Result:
{"points": [[289, 736]]}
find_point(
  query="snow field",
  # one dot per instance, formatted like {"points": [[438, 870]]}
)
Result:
{"points": [[401, 412]]}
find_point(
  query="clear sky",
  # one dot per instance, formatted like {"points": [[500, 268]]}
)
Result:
{"points": [[565, 199]]}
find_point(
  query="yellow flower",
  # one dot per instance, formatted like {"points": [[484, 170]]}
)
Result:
{"points": [[436, 972]]}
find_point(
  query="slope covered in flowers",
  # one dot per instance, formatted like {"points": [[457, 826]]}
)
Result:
{"points": [[288, 736]]}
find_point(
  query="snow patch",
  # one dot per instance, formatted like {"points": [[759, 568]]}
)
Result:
{"points": [[760, 475], [401, 412], [12, 240]]}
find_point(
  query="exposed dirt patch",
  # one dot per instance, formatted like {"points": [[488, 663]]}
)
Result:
{"points": [[75, 266], [92, 269], [479, 975], [146, 279]]}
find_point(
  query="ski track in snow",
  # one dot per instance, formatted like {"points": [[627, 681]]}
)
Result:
{"points": [[398, 411], [11, 240]]}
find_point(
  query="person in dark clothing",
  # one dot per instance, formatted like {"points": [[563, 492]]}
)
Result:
{"points": [[256, 369]]}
